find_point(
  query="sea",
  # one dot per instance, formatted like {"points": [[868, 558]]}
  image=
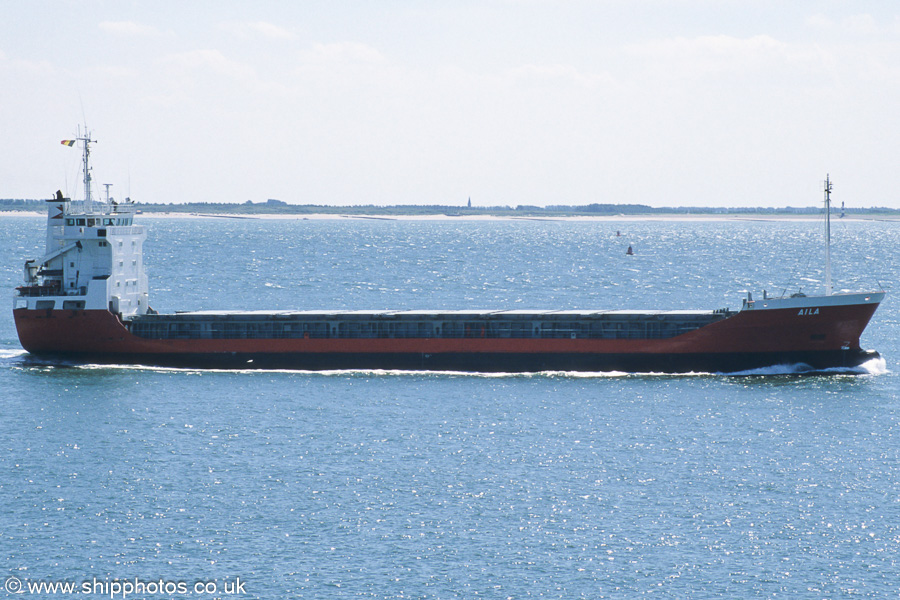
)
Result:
{"points": [[141, 482]]}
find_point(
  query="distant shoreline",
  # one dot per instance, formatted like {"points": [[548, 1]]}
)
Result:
{"points": [[281, 210], [681, 217]]}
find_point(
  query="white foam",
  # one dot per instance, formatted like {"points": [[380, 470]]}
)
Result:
{"points": [[348, 372], [875, 366], [388, 372], [792, 369]]}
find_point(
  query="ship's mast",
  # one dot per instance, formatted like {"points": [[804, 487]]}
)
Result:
{"points": [[86, 141], [827, 235]]}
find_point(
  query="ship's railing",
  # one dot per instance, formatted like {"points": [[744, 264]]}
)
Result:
{"points": [[101, 207], [38, 291], [52, 289]]}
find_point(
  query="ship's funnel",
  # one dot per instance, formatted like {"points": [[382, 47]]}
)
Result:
{"points": [[57, 208]]}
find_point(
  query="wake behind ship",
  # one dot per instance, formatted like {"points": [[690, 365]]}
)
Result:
{"points": [[87, 300]]}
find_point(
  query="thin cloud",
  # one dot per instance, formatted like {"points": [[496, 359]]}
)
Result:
{"points": [[861, 25], [559, 74], [712, 55], [209, 60], [711, 49], [819, 21], [128, 28], [25, 66], [247, 30], [342, 52]]}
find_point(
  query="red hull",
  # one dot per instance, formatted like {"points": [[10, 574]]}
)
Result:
{"points": [[830, 335]]}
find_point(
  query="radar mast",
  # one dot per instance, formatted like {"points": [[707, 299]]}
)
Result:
{"points": [[827, 235], [86, 142]]}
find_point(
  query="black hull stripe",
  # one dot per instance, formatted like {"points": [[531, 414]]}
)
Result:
{"points": [[490, 362]]}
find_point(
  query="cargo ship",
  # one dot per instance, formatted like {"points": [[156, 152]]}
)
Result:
{"points": [[87, 300]]}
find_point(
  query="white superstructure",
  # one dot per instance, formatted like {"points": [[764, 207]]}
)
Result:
{"points": [[93, 256]]}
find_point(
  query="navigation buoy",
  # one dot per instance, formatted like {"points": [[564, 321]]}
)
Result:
{"points": [[629, 252]]}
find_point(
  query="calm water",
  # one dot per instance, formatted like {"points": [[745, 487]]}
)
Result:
{"points": [[393, 485]]}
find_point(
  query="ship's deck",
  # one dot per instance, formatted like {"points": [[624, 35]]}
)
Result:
{"points": [[351, 324]]}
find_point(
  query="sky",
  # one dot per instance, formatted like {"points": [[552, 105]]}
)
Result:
{"points": [[714, 103]]}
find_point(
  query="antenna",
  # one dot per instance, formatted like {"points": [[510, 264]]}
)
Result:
{"points": [[827, 235]]}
